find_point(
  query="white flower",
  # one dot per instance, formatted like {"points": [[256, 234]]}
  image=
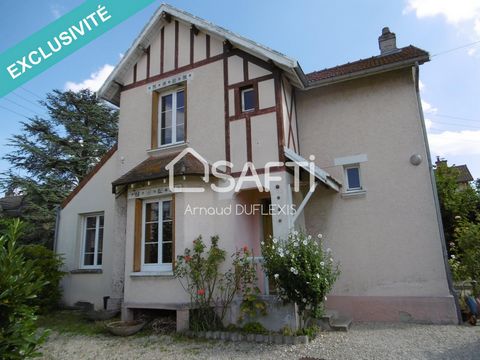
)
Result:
{"points": [[276, 276], [318, 276], [280, 254], [305, 242], [273, 247], [320, 236], [262, 243], [452, 256], [287, 251], [275, 240], [294, 271], [330, 259], [304, 300], [295, 232], [295, 244], [322, 263], [325, 298], [309, 237]]}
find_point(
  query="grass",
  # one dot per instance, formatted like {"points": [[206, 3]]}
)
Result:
{"points": [[70, 322]]}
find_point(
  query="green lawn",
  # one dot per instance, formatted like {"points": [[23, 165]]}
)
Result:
{"points": [[70, 321]]}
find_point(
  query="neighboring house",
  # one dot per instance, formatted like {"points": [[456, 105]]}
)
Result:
{"points": [[187, 83], [464, 175], [12, 205]]}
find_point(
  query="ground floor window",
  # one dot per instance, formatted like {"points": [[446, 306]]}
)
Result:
{"points": [[157, 239], [92, 244]]}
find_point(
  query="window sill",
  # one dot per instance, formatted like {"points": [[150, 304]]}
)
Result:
{"points": [[86, 271], [165, 148], [354, 194], [163, 274]]}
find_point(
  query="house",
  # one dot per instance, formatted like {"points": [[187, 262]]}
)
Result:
{"points": [[186, 83], [464, 177]]}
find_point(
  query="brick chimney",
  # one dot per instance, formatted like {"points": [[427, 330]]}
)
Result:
{"points": [[387, 42]]}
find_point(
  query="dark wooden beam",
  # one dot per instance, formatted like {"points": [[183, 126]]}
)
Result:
{"points": [[195, 30], [227, 45], [167, 17]]}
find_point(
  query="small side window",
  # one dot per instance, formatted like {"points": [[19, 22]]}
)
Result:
{"points": [[248, 99], [352, 177]]}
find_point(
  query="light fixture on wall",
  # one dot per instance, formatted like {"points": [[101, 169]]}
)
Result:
{"points": [[416, 159]]}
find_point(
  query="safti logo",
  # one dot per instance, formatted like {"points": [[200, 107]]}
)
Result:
{"points": [[248, 174]]}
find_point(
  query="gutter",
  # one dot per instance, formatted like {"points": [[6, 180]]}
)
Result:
{"points": [[435, 198]]}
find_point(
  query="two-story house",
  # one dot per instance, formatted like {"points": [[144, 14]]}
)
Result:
{"points": [[186, 83]]}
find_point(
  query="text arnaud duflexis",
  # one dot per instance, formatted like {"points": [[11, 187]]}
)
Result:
{"points": [[65, 38]]}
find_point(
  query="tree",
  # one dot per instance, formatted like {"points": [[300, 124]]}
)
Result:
{"points": [[19, 284], [454, 201], [52, 155]]}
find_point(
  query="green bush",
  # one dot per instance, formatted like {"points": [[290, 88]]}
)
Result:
{"points": [[46, 264], [19, 284], [254, 328], [303, 272]]}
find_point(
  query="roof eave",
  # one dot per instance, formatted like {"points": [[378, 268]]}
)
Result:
{"points": [[368, 72]]}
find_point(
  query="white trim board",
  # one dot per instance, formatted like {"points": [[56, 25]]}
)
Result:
{"points": [[352, 159]]}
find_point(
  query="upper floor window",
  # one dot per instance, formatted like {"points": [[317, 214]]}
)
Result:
{"points": [[92, 247], [172, 117], [352, 177], [248, 99], [157, 241]]}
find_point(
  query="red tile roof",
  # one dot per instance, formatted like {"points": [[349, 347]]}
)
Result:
{"points": [[411, 53]]}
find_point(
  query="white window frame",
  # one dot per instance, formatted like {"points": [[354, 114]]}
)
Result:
{"points": [[84, 236], [159, 266], [242, 99], [174, 117], [353, 166]]}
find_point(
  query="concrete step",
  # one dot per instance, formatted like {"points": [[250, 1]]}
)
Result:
{"points": [[333, 321], [341, 323]]}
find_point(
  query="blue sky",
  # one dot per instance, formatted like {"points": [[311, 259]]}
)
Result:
{"points": [[318, 34]]}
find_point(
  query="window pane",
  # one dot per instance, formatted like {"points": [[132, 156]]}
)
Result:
{"points": [[180, 99], [167, 210], [167, 253], [91, 222], [151, 212], [248, 99], [88, 259], [99, 259], [101, 220], [166, 137], [180, 117], [151, 254], [167, 103], [167, 231], [166, 119], [90, 240], [353, 175], [180, 133], [100, 240], [151, 233]]}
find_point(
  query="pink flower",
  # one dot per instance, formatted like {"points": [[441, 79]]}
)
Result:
{"points": [[245, 249], [188, 258], [201, 292]]}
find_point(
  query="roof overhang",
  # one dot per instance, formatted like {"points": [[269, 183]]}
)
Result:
{"points": [[110, 90], [319, 173]]}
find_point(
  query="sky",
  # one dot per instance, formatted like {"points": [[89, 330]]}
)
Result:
{"points": [[318, 33]]}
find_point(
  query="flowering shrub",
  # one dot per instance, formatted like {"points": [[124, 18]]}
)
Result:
{"points": [[304, 273], [199, 273]]}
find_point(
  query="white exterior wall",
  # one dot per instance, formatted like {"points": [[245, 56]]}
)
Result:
{"points": [[95, 196], [387, 241]]}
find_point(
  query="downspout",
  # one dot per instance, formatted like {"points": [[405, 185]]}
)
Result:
{"points": [[57, 224], [435, 198]]}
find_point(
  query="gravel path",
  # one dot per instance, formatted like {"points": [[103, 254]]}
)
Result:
{"points": [[363, 341]]}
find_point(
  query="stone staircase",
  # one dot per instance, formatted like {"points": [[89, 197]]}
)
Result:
{"points": [[333, 321]]}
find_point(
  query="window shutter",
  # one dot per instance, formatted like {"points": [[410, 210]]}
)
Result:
{"points": [[137, 246]]}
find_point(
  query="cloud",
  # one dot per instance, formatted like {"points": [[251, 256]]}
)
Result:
{"points": [[421, 85], [94, 82], [56, 10], [428, 124], [455, 12], [428, 108], [454, 143]]}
